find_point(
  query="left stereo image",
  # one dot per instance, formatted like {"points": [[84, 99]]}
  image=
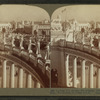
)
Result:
{"points": [[24, 47]]}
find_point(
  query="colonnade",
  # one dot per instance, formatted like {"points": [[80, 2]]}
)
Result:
{"points": [[30, 80], [83, 73]]}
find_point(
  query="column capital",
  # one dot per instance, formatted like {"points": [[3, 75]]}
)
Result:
{"points": [[67, 55], [90, 63], [5, 60], [75, 57], [11, 63]]}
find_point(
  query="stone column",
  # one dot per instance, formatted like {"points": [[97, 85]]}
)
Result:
{"points": [[83, 74], [98, 78], [12, 75], [29, 82], [20, 78], [4, 74], [33, 83], [91, 76], [75, 73], [38, 85], [67, 69]]}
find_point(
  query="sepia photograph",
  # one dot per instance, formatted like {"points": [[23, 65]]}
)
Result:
{"points": [[24, 47], [52, 47], [75, 47]]}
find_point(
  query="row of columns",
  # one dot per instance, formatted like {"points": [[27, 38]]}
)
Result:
{"points": [[83, 74], [20, 77]]}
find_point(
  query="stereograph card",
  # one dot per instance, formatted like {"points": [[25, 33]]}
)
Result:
{"points": [[49, 50]]}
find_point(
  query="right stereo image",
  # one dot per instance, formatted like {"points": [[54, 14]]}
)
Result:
{"points": [[75, 47]]}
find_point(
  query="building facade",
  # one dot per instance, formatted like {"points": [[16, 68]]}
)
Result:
{"points": [[5, 26], [56, 24]]}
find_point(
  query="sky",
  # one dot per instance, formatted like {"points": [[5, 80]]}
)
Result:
{"points": [[22, 12], [82, 13]]}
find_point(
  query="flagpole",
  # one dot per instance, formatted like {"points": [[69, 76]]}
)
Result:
{"points": [[65, 22], [64, 31]]}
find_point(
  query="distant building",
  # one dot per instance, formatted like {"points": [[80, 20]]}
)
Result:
{"points": [[43, 29], [65, 25], [83, 25], [77, 26], [5, 26], [56, 24], [22, 24], [72, 26]]}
